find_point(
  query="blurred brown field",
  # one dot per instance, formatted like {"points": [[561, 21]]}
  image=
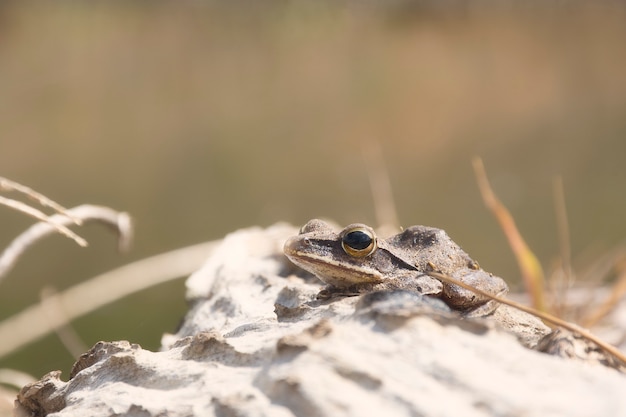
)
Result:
{"points": [[200, 118]]}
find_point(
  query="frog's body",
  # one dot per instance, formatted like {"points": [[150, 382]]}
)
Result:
{"points": [[354, 261]]}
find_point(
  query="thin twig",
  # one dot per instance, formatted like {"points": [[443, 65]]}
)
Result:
{"points": [[119, 221], [530, 268], [610, 349]]}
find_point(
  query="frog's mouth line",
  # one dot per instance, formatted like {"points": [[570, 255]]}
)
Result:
{"points": [[329, 272]]}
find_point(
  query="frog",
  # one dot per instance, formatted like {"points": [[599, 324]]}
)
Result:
{"points": [[356, 261]]}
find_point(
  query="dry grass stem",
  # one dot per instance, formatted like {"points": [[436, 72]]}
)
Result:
{"points": [[8, 185], [566, 276], [610, 349], [380, 185], [563, 226], [41, 216], [530, 268], [34, 322], [119, 221]]}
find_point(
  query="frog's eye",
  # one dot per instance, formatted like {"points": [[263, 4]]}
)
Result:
{"points": [[358, 241]]}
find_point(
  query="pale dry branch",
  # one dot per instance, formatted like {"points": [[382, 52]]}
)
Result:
{"points": [[119, 221], [15, 378], [33, 323]]}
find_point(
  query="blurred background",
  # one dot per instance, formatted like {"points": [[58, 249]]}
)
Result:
{"points": [[199, 118]]}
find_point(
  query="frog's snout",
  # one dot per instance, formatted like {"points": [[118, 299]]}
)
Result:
{"points": [[291, 245]]}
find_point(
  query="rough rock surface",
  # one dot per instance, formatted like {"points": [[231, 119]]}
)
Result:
{"points": [[256, 342]]}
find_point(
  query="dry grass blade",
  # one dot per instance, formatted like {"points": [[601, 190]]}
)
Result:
{"points": [[610, 349], [119, 221], [39, 215], [530, 268]]}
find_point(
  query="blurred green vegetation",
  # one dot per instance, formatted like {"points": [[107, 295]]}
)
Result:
{"points": [[200, 118]]}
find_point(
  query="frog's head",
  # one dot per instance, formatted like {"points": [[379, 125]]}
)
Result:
{"points": [[349, 257]]}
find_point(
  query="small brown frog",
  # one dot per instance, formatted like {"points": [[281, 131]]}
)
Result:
{"points": [[356, 261]]}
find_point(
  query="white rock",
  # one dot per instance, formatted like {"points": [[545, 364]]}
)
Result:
{"points": [[256, 342]]}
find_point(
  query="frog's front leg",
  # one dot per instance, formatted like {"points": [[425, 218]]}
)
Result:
{"points": [[473, 304]]}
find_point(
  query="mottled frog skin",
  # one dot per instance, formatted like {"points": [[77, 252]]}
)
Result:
{"points": [[356, 261]]}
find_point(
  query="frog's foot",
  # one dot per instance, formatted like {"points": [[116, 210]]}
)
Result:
{"points": [[330, 291]]}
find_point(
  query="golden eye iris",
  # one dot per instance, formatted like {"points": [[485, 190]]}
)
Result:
{"points": [[358, 241]]}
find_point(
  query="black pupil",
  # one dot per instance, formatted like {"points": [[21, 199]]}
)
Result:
{"points": [[357, 240]]}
